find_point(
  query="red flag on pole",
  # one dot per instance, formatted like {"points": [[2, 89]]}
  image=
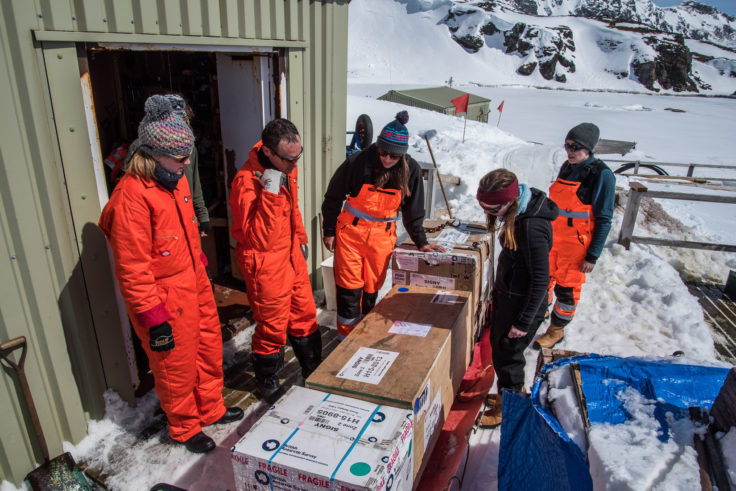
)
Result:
{"points": [[500, 107], [461, 103]]}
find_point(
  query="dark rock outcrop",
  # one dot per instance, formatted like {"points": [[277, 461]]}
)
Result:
{"points": [[671, 68]]}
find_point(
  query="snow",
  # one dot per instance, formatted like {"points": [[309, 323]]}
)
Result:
{"points": [[632, 455], [395, 48], [633, 304], [728, 448]]}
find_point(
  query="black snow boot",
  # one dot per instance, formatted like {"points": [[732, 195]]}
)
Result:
{"points": [[308, 351], [265, 367]]}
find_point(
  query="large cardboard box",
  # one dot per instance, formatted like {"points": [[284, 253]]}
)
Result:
{"points": [[401, 354], [466, 266], [314, 440]]}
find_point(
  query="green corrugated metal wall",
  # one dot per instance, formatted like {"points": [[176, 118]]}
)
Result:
{"points": [[56, 287]]}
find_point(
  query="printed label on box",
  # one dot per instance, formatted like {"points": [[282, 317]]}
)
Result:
{"points": [[332, 418], [410, 329], [422, 402], [407, 262], [444, 298], [368, 365], [433, 417], [399, 277], [432, 281]]}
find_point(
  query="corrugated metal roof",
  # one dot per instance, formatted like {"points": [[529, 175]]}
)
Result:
{"points": [[438, 96]]}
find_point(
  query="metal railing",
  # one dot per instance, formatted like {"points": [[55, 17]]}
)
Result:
{"points": [[690, 166]]}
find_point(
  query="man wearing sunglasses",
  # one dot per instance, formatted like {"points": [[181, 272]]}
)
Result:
{"points": [[584, 192], [272, 252], [374, 185]]}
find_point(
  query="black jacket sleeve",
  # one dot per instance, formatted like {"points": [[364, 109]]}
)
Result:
{"points": [[536, 236], [412, 207], [336, 193]]}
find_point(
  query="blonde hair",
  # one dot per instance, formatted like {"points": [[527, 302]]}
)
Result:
{"points": [[493, 181], [142, 165]]}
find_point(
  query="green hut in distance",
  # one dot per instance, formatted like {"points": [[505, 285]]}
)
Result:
{"points": [[438, 99]]}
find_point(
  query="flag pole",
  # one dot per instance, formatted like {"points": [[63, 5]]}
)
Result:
{"points": [[465, 121], [499, 118]]}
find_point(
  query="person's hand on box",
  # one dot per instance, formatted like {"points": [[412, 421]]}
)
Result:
{"points": [[432, 248]]}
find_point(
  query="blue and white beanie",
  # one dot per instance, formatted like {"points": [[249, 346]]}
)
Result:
{"points": [[394, 137]]}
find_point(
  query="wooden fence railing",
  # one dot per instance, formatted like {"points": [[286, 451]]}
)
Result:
{"points": [[638, 191]]}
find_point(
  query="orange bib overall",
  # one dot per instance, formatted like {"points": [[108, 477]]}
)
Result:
{"points": [[365, 237], [572, 232]]}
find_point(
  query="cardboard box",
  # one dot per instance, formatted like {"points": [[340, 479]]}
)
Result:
{"points": [[467, 265], [401, 354], [314, 440]]}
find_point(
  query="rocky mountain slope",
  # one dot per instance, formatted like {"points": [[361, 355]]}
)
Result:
{"points": [[651, 45]]}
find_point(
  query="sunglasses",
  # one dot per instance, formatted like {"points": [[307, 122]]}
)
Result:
{"points": [[573, 147], [383, 153], [493, 209], [290, 159]]}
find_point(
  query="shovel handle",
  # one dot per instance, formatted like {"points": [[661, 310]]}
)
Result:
{"points": [[11, 344], [20, 372]]}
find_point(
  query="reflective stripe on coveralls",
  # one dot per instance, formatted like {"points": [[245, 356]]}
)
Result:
{"points": [[572, 231], [362, 251], [269, 231], [155, 242]]}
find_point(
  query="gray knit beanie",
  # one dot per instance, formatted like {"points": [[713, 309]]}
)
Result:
{"points": [[586, 134], [163, 132], [178, 105]]}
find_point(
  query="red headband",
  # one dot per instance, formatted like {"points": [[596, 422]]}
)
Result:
{"points": [[500, 196]]}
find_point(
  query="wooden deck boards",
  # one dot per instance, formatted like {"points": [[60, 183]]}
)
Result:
{"points": [[720, 314]]}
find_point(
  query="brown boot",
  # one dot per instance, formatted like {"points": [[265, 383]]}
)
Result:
{"points": [[550, 338], [492, 417]]}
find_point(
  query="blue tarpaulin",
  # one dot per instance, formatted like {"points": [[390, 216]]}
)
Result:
{"points": [[536, 453]]}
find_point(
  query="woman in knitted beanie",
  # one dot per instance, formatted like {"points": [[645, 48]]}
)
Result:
{"points": [[374, 185], [585, 191], [523, 217], [152, 230]]}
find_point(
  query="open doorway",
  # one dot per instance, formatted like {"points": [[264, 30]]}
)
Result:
{"points": [[232, 96]]}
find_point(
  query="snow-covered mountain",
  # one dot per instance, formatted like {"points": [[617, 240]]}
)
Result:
{"points": [[624, 44], [691, 19]]}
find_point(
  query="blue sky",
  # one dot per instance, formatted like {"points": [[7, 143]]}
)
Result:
{"points": [[727, 6]]}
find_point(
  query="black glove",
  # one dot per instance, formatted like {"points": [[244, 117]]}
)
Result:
{"points": [[305, 250], [205, 227], [162, 339]]}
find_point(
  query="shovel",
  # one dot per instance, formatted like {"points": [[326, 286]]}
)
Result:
{"points": [[60, 472]]}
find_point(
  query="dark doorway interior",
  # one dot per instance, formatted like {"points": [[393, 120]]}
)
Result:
{"points": [[121, 81]]}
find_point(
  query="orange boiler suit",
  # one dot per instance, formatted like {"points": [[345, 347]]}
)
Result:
{"points": [[572, 231], [365, 230], [269, 230], [154, 237]]}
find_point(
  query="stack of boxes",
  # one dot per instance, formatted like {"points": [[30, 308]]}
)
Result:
{"points": [[467, 264], [407, 356]]}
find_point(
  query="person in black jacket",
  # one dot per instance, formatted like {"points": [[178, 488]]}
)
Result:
{"points": [[524, 216], [374, 185]]}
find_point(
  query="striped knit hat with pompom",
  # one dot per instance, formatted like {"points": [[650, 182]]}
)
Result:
{"points": [[394, 137], [163, 132]]}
